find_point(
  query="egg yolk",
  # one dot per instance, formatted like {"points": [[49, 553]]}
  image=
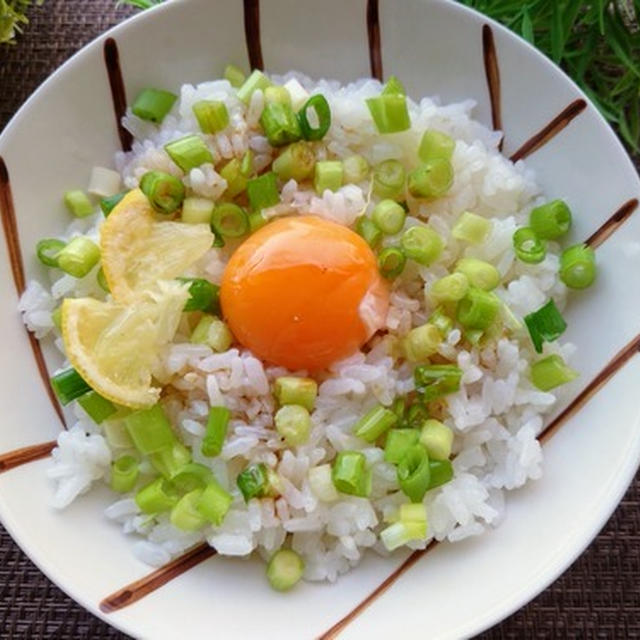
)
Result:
{"points": [[303, 293]]}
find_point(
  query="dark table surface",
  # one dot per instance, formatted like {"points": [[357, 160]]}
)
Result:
{"points": [[598, 597]]}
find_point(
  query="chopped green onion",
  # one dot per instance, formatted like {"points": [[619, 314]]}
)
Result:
{"points": [[153, 104], [56, 318], [217, 425], [109, 204], [437, 439], [124, 474], [285, 569], [236, 180], [436, 380], [79, 257], [441, 472], [374, 423], [104, 182], [551, 372], [203, 295], [150, 430], [235, 75], [442, 321], [189, 152], [213, 332], [471, 228], [355, 169], [97, 407], [393, 87], [473, 336], [246, 164], [413, 473], [388, 179], [323, 115], [399, 533], [436, 145], [78, 203], [230, 220], [389, 113], [185, 514], [69, 385], [169, 461], [156, 497], [296, 162], [328, 175], [422, 342], [545, 325], [277, 94], [369, 231], [192, 476], [528, 247], [256, 221], [291, 390], [551, 220], [256, 81], [48, 251], [102, 280], [350, 474], [478, 309], [422, 244], [165, 192], [280, 124], [431, 180], [293, 423], [263, 191], [451, 288], [197, 211], [214, 503], [578, 266], [480, 274], [416, 415], [398, 407], [391, 262], [117, 435], [212, 115], [399, 441], [389, 216], [253, 482], [321, 483]]}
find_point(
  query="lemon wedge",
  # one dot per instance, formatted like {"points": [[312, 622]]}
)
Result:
{"points": [[115, 347], [137, 250]]}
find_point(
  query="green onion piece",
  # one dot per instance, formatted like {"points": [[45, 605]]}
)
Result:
{"points": [[263, 191], [214, 503], [437, 380], [478, 309], [393, 87], [213, 332], [399, 533], [551, 372], [236, 180], [389, 216], [451, 288], [48, 251], [291, 390], [78, 203], [285, 569], [102, 280], [56, 318], [277, 94], [473, 336], [203, 295], [216, 432], [471, 228], [413, 473], [369, 231], [578, 266], [545, 325], [422, 342], [296, 162], [391, 262], [435, 145], [189, 152], [124, 474], [246, 164], [235, 75], [150, 430], [442, 321], [374, 423], [192, 476], [109, 204], [551, 220], [256, 221], [431, 180], [69, 385], [416, 415], [197, 211], [437, 439], [280, 124], [398, 407], [116, 434], [153, 104], [185, 514], [230, 220], [164, 191], [321, 483], [388, 180], [389, 113], [79, 257], [212, 115], [350, 474], [441, 472], [293, 423], [413, 512], [170, 460], [480, 274], [253, 482], [328, 175], [97, 407], [355, 169], [323, 115], [399, 441], [422, 244], [156, 497], [256, 81], [528, 247]]}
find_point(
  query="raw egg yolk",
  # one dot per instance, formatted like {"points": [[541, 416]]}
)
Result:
{"points": [[303, 293]]}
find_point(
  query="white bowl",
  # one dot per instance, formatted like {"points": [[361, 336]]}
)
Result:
{"points": [[436, 47]]}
